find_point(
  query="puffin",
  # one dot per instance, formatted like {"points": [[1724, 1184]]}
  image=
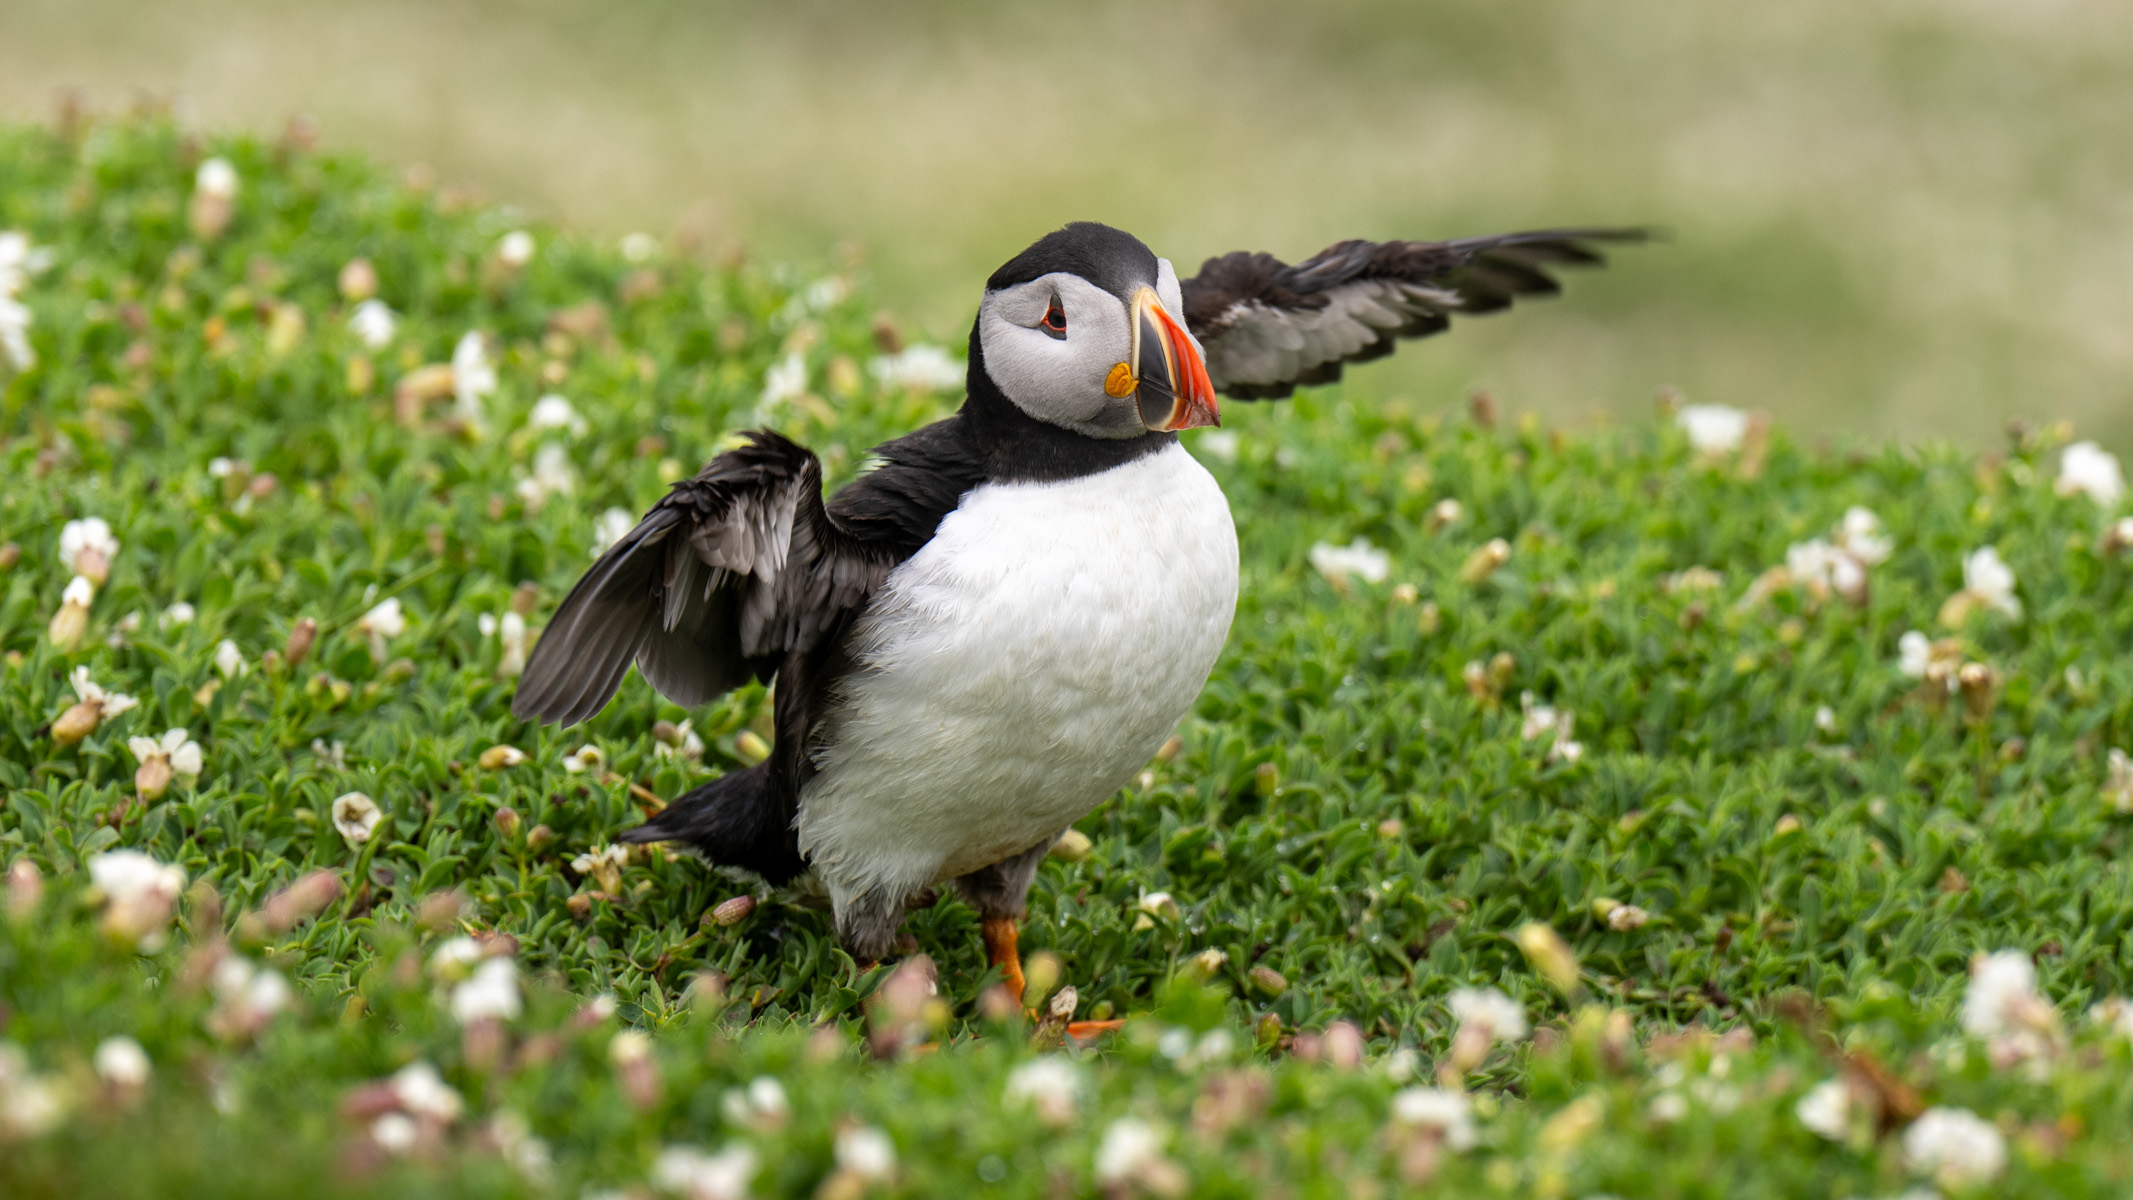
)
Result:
{"points": [[984, 636]]}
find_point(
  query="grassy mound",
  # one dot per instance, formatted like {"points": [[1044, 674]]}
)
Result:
{"points": [[1626, 734]]}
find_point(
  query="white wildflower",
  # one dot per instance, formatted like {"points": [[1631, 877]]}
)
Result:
{"points": [[690, 1173], [1822, 568], [395, 1132], [175, 751], [511, 631], [1539, 719], [639, 247], [122, 1063], [2002, 1006], [1131, 1154], [609, 527], [356, 815], [2118, 780], [492, 993], [386, 620], [515, 248], [423, 1093], [1669, 1107], [1498, 1016], [584, 758], [603, 864], [555, 412], [216, 177], [1358, 559], [1826, 1109], [2115, 1015], [1826, 718], [455, 957], [30, 1105], [1449, 1113], [1159, 904], [247, 996], [88, 536], [1991, 581], [473, 377], [140, 894], [785, 380], [374, 323], [682, 743], [19, 260], [332, 754], [1049, 1086], [865, 1152], [553, 475], [1402, 1064], [761, 1106], [1859, 534], [177, 614], [1713, 428], [523, 1152], [919, 368], [109, 704], [1955, 1146], [229, 660], [2088, 467]]}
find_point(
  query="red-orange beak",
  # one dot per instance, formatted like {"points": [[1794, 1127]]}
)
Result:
{"points": [[1169, 375]]}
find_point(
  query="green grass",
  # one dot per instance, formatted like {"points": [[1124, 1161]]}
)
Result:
{"points": [[1344, 811]]}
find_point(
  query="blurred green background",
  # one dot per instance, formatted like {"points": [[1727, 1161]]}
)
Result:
{"points": [[1907, 219]]}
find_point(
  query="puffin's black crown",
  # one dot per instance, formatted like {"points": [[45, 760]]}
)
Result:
{"points": [[1112, 259]]}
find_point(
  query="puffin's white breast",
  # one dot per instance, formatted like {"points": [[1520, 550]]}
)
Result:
{"points": [[1018, 669]]}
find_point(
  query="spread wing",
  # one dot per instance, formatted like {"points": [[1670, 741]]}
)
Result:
{"points": [[1268, 326], [730, 573]]}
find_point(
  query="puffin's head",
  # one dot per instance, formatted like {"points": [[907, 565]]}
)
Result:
{"points": [[1078, 331]]}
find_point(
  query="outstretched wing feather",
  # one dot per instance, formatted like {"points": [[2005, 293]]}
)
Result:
{"points": [[712, 588], [1267, 326]]}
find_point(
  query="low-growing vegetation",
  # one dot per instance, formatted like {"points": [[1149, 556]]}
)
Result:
{"points": [[1662, 810]]}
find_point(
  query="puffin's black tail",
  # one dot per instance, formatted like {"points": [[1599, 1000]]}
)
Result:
{"points": [[736, 820]]}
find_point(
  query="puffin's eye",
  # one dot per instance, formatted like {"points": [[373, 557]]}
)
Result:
{"points": [[1054, 322]]}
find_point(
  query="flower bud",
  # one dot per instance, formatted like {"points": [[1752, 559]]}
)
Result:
{"points": [[359, 280], [751, 747], [734, 911], [1040, 975], [539, 838], [300, 638], [1072, 846], [10, 554], [1545, 949], [1980, 687], [153, 777], [90, 564], [498, 758], [1483, 562], [77, 722], [508, 823], [25, 889], [1269, 980], [68, 625]]}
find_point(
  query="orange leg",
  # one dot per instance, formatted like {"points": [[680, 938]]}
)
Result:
{"points": [[1001, 937]]}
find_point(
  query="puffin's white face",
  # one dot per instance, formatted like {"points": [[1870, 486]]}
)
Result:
{"points": [[1071, 354]]}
